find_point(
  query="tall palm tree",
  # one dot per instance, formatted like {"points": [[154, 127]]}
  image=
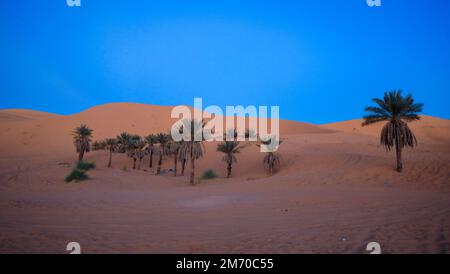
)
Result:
{"points": [[183, 160], [82, 140], [163, 149], [397, 110], [192, 149], [174, 148], [110, 144], [151, 140], [230, 148]]}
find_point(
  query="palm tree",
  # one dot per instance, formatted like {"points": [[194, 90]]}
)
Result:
{"points": [[151, 140], [231, 134], [97, 145], [230, 148], [126, 143], [397, 111], [174, 148], [82, 140], [123, 142], [250, 133], [192, 149], [139, 151], [110, 144], [183, 159], [272, 158], [163, 149], [135, 150]]}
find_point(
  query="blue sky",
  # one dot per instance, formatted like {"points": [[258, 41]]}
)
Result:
{"points": [[319, 60]]}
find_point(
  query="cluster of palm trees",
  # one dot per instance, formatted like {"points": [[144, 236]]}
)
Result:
{"points": [[162, 145], [137, 148], [394, 108]]}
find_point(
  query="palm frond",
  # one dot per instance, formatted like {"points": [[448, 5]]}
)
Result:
{"points": [[397, 133], [393, 106]]}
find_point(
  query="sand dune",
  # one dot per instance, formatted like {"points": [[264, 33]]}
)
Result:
{"points": [[23, 114], [21, 134], [335, 183], [428, 130]]}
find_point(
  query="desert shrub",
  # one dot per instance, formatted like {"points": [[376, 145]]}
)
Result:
{"points": [[76, 175], [209, 174], [84, 166]]}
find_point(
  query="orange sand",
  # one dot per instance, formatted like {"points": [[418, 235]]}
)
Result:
{"points": [[336, 191]]}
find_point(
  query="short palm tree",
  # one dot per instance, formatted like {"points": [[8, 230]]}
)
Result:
{"points": [[162, 149], [231, 134], [272, 158], [123, 142], [139, 151], [397, 110], [194, 148], [97, 145], [250, 133], [151, 140], [127, 143], [110, 144], [135, 150], [82, 140], [230, 148]]}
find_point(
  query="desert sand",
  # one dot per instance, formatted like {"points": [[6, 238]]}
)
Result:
{"points": [[336, 191]]}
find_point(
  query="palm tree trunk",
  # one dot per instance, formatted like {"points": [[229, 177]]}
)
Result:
{"points": [[158, 171], [398, 151], [150, 165], [229, 170], [183, 165], [110, 158], [175, 163], [134, 163], [139, 164], [80, 155], [192, 171]]}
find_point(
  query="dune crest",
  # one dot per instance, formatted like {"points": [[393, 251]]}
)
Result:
{"points": [[24, 114]]}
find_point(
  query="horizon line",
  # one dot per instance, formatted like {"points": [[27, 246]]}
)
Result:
{"points": [[156, 105]]}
